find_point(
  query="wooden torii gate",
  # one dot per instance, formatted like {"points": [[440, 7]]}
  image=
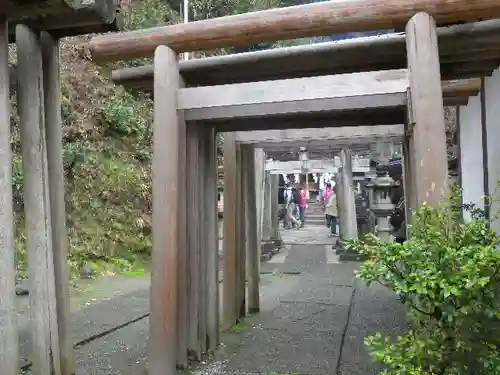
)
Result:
{"points": [[186, 119], [36, 27]]}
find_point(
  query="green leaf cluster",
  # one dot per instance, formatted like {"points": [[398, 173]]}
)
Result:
{"points": [[447, 273]]}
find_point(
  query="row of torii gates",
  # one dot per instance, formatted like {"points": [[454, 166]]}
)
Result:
{"points": [[395, 79]]}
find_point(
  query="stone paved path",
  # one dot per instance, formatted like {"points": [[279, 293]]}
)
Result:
{"points": [[309, 235], [313, 320], [331, 256], [317, 326]]}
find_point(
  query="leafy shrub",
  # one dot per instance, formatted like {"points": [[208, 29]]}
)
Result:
{"points": [[448, 276], [127, 116]]}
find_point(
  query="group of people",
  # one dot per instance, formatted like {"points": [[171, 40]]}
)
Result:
{"points": [[328, 197], [295, 198]]}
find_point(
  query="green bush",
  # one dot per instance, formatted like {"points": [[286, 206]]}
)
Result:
{"points": [[448, 276], [125, 115]]}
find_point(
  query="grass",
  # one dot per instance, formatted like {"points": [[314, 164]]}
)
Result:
{"points": [[241, 326]]}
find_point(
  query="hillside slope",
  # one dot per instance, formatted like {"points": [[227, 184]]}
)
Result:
{"points": [[107, 155], [107, 148]]}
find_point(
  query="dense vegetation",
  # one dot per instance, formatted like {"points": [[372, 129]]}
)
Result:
{"points": [[107, 147], [447, 275]]}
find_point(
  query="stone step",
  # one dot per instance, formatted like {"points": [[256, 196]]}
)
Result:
{"points": [[319, 222], [315, 209], [309, 217]]}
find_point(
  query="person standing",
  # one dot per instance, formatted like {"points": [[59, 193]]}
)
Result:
{"points": [[331, 212], [320, 190], [291, 206], [302, 205], [397, 218], [287, 197], [295, 203], [326, 192]]}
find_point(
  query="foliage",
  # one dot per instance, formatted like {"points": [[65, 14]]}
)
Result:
{"points": [[127, 116], [107, 154], [447, 274], [241, 326], [147, 14], [220, 148], [106, 160]]}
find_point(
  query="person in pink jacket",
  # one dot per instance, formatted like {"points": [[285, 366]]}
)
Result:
{"points": [[326, 192], [302, 205]]}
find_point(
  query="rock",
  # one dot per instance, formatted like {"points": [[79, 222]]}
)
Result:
{"points": [[22, 291], [265, 257], [87, 272], [22, 288]]}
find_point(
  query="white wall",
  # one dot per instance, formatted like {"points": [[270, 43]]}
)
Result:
{"points": [[492, 105], [471, 157]]}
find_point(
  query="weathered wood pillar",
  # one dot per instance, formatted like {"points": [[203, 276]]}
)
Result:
{"points": [[212, 246], [241, 236], [230, 284], [166, 197], [430, 173], [9, 336], [266, 210], [273, 191], [347, 203], [193, 235], [53, 131], [252, 240], [45, 335], [260, 164], [339, 190], [202, 240], [408, 176], [182, 255]]}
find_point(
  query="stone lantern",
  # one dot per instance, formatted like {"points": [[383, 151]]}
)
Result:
{"points": [[380, 205]]}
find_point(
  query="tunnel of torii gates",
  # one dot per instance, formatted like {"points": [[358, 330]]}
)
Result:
{"points": [[330, 149], [389, 80]]}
